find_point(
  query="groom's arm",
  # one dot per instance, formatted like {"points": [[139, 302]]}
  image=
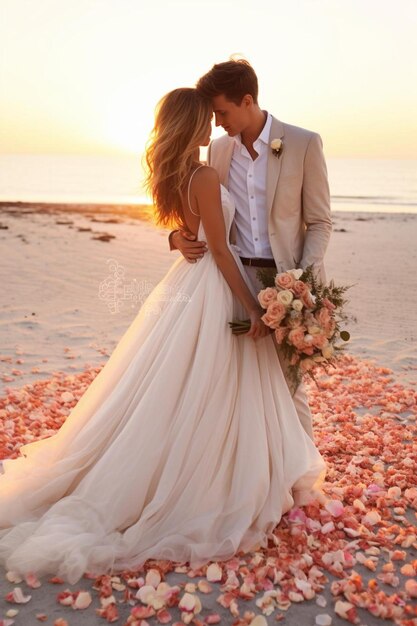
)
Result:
{"points": [[316, 204]]}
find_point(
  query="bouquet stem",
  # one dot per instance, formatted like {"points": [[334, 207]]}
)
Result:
{"points": [[240, 327]]}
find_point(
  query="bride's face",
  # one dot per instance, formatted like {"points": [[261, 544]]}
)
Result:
{"points": [[232, 117]]}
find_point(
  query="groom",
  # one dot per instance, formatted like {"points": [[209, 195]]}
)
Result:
{"points": [[277, 176]]}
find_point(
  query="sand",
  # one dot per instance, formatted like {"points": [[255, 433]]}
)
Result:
{"points": [[60, 313], [54, 264]]}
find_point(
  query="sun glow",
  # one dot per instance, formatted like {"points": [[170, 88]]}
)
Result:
{"points": [[85, 76]]}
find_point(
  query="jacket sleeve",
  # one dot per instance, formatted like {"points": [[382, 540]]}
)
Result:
{"points": [[171, 245], [316, 204]]}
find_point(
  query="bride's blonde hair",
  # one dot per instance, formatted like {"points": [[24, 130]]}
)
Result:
{"points": [[181, 120]]}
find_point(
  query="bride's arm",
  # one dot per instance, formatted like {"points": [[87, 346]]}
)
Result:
{"points": [[205, 189]]}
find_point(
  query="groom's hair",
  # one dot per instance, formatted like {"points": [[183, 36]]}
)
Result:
{"points": [[233, 79]]}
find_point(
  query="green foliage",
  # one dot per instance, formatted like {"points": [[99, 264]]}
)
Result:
{"points": [[267, 276]]}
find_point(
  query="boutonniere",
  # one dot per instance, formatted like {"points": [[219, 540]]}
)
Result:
{"points": [[277, 146]]}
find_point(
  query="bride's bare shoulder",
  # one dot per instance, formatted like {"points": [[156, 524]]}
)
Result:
{"points": [[206, 176]]}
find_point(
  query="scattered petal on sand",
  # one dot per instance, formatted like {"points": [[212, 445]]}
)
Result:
{"points": [[13, 577], [411, 588], [204, 586], [17, 596], [365, 427], [153, 578], [259, 620], [32, 581], [109, 613], [83, 600], [214, 573], [335, 507]]}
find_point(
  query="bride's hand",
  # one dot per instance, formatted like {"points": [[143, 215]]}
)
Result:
{"points": [[257, 329]]}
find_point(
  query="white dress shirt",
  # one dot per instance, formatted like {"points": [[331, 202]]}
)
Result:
{"points": [[247, 184]]}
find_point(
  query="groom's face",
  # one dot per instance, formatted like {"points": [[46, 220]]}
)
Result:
{"points": [[232, 117]]}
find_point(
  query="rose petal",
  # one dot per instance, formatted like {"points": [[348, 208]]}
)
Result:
{"points": [[214, 573], [83, 600]]}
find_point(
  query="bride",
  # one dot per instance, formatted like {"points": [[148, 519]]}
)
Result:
{"points": [[187, 445]]}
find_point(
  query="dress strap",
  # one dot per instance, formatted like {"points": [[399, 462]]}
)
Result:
{"points": [[189, 187]]}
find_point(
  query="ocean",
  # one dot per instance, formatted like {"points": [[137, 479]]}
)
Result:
{"points": [[371, 185]]}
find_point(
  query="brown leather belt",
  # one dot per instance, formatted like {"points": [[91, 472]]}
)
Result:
{"points": [[258, 262]]}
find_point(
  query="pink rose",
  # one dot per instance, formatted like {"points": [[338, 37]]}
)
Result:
{"points": [[280, 333], [296, 337], [299, 287], [308, 350], [323, 316], [284, 280], [266, 296], [307, 299], [329, 305], [329, 328], [319, 341], [274, 314]]}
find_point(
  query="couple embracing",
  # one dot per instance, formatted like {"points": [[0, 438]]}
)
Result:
{"points": [[282, 202], [189, 444]]}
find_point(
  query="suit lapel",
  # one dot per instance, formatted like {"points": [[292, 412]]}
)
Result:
{"points": [[274, 163]]}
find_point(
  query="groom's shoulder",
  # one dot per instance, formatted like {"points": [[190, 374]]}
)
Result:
{"points": [[295, 132], [298, 131]]}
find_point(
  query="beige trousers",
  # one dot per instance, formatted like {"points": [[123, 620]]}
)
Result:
{"points": [[300, 396]]}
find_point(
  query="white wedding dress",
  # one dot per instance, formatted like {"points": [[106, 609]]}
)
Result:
{"points": [[186, 446]]}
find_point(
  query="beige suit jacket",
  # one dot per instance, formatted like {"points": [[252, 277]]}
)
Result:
{"points": [[298, 197]]}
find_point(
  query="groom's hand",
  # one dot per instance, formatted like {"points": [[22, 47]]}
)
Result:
{"points": [[190, 249]]}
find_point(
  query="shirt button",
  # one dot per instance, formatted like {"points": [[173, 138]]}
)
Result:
{"points": [[254, 218], [250, 175], [256, 238], [252, 197]]}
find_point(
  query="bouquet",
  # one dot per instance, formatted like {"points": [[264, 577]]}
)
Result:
{"points": [[306, 316]]}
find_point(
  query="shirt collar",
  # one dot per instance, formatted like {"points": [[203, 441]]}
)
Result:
{"points": [[264, 135]]}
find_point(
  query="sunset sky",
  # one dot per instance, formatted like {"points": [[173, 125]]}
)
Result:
{"points": [[83, 77]]}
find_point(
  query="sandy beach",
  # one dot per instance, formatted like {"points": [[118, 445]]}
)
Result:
{"points": [[74, 278], [56, 259]]}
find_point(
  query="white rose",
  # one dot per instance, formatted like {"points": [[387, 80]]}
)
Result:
{"points": [[308, 339], [328, 351], [297, 305], [314, 330], [286, 297], [276, 144], [296, 274]]}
